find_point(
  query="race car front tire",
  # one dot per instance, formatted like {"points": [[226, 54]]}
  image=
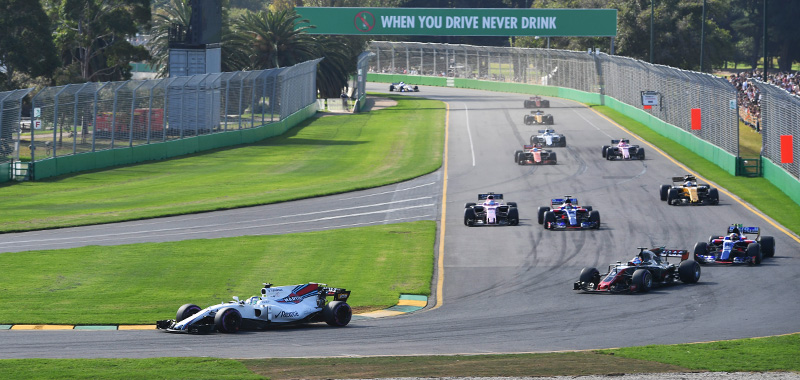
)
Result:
{"points": [[228, 320], [701, 248], [391, 87], [605, 150], [754, 251], [563, 141], [516, 156], [549, 218], [186, 311], [663, 191], [689, 271], [594, 216], [469, 217], [713, 196], [513, 217], [590, 275], [337, 313], [672, 196], [643, 280], [540, 214], [768, 246]]}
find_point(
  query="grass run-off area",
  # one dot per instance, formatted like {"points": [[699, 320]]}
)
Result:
{"points": [[759, 354], [142, 283], [321, 156]]}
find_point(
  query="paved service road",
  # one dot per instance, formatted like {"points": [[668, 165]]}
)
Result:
{"points": [[509, 289]]}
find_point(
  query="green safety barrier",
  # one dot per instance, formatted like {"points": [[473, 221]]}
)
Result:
{"points": [[5, 172], [60, 165]]}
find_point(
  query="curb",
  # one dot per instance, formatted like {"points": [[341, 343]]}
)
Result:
{"points": [[408, 303]]}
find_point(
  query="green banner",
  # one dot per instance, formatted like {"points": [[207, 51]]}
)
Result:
{"points": [[462, 21]]}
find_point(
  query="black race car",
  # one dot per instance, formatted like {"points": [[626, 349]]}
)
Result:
{"points": [[622, 149], [491, 211], [649, 268], [736, 247]]}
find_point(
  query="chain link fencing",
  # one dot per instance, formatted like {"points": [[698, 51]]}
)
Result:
{"points": [[10, 117], [90, 117], [780, 116], [619, 77]]}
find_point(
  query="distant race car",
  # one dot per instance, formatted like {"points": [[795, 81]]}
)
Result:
{"points": [[649, 268], [686, 190], [736, 247], [622, 149], [282, 305], [535, 155], [403, 87], [565, 213], [491, 211], [537, 102], [538, 117], [549, 137]]}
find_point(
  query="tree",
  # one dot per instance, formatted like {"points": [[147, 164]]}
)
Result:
{"points": [[91, 34], [271, 40], [26, 45]]}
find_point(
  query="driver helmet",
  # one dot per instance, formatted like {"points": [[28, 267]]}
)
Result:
{"points": [[635, 261], [568, 206], [490, 200], [734, 236]]}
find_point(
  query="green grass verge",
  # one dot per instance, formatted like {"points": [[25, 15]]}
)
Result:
{"points": [[774, 354], [321, 156], [750, 141], [757, 191], [141, 283]]}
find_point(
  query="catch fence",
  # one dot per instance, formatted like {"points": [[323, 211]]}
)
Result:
{"points": [[619, 77], [780, 116], [90, 117]]}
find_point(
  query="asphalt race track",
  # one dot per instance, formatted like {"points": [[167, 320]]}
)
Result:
{"points": [[505, 289]]}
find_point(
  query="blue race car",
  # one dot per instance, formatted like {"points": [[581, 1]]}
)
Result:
{"points": [[565, 213], [736, 247]]}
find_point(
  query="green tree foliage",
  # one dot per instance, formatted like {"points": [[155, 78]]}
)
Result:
{"points": [[91, 36], [175, 12], [26, 46]]}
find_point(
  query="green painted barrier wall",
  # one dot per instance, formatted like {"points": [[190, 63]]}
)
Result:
{"points": [[159, 151], [781, 179], [5, 172]]}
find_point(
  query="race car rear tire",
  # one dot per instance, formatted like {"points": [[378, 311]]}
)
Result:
{"points": [[549, 218], [640, 153], [754, 251], [186, 311], [605, 150], [553, 158], [540, 214], [549, 121], [228, 320], [701, 248], [516, 156], [689, 271], [768, 246], [416, 88], [563, 141], [469, 217], [663, 191], [512, 204], [545, 103], [643, 280], [527, 104], [713, 196], [594, 216], [588, 208], [469, 204], [590, 275], [337, 313], [513, 217], [672, 196]]}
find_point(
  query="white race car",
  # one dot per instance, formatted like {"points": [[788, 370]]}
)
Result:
{"points": [[491, 211], [291, 304], [403, 87], [549, 137]]}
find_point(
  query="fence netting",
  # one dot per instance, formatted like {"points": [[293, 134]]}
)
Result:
{"points": [[10, 118], [780, 116], [619, 77], [88, 117]]}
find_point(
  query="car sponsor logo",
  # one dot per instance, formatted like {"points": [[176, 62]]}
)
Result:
{"points": [[288, 314], [300, 293]]}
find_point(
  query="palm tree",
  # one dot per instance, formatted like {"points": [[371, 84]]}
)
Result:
{"points": [[176, 12], [271, 39]]}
